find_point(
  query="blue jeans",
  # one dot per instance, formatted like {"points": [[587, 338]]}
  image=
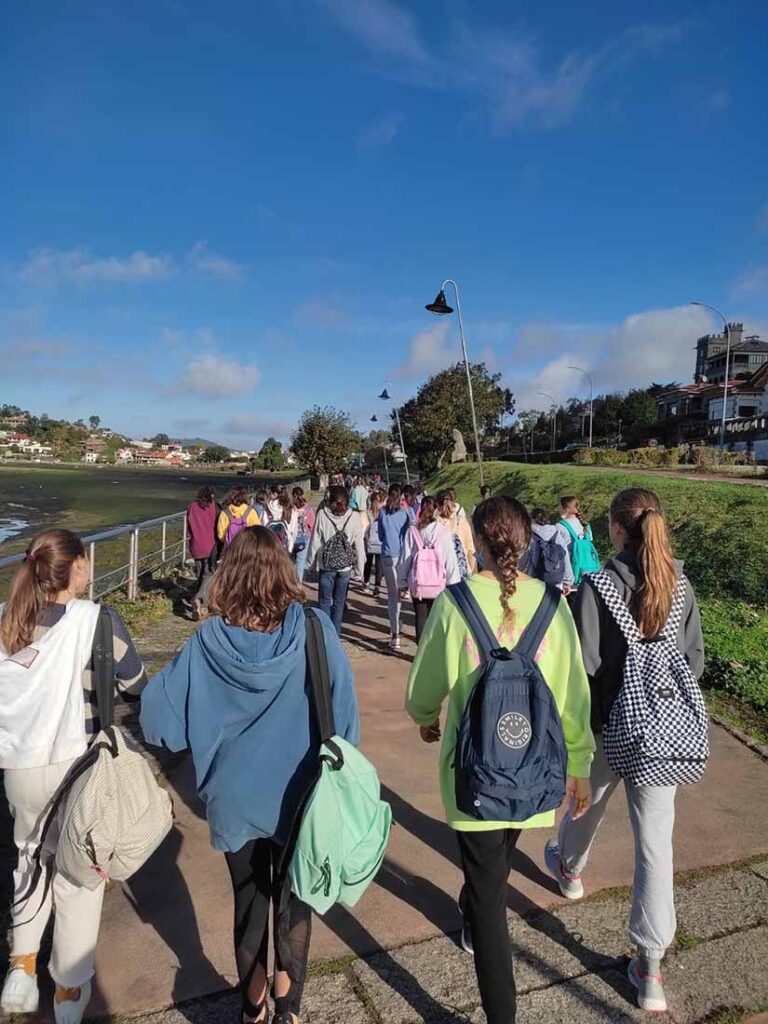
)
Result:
{"points": [[333, 587], [300, 558]]}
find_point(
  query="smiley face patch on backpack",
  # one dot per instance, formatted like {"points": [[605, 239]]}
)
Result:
{"points": [[514, 730]]}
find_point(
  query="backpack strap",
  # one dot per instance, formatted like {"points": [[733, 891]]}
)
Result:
{"points": [[474, 617], [104, 668], [570, 529], [614, 602], [320, 682], [418, 540], [536, 629], [676, 612]]}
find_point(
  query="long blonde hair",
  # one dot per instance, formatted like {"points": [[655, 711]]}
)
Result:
{"points": [[639, 512], [44, 574]]}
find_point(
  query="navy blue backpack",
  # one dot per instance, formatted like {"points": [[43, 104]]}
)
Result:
{"points": [[511, 757]]}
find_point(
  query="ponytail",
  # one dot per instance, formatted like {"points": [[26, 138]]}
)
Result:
{"points": [[427, 512], [639, 512], [44, 574], [394, 496]]}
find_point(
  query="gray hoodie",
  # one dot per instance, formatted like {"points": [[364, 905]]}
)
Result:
{"points": [[603, 645]]}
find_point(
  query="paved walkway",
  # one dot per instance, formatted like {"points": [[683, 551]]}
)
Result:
{"points": [[165, 937]]}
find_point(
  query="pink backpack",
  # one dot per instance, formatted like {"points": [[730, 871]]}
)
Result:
{"points": [[427, 578]]}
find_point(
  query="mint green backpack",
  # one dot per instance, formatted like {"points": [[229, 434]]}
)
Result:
{"points": [[584, 556], [345, 825]]}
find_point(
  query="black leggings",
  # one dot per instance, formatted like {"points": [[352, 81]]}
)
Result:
{"points": [[421, 608], [487, 860], [204, 566], [373, 568], [256, 885]]}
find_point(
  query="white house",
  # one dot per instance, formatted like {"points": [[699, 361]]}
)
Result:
{"points": [[741, 402]]}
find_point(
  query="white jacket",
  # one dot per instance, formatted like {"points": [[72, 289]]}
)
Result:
{"points": [[436, 535], [42, 708]]}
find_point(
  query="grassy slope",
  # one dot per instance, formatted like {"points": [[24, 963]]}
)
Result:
{"points": [[719, 529]]}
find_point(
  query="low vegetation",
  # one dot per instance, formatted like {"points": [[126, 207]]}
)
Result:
{"points": [[719, 529]]}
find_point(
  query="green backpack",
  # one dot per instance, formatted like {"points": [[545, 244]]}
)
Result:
{"points": [[345, 825], [584, 556]]}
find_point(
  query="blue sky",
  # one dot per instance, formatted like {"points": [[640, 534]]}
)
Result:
{"points": [[215, 216]]}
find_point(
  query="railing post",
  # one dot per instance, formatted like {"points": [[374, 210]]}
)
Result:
{"points": [[184, 543], [162, 556], [91, 569], [133, 587]]}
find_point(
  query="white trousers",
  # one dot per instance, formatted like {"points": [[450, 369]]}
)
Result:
{"points": [[652, 922], [394, 604], [77, 910]]}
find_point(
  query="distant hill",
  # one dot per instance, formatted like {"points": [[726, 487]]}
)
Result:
{"points": [[195, 442]]}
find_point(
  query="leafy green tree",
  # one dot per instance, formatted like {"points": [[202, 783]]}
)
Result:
{"points": [[271, 455], [160, 439], [94, 422], [442, 406], [324, 439], [216, 453]]}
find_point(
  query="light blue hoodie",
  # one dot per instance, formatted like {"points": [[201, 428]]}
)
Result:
{"points": [[393, 527], [237, 699]]}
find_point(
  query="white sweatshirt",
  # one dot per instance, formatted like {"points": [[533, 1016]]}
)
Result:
{"points": [[42, 708]]}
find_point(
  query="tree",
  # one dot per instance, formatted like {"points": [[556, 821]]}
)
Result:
{"points": [[160, 439], [216, 453], [271, 455], [94, 422], [442, 406], [324, 439]]}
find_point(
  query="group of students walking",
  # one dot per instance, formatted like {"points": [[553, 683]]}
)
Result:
{"points": [[536, 693]]}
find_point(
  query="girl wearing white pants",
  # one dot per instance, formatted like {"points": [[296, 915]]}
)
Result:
{"points": [[646, 576], [48, 714]]}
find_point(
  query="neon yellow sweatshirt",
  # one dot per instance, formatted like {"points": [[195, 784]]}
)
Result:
{"points": [[447, 664]]}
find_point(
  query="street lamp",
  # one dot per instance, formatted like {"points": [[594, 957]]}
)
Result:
{"points": [[375, 419], [591, 399], [727, 326], [386, 397], [554, 416], [441, 308]]}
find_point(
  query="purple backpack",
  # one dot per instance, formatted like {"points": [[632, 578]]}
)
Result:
{"points": [[236, 525], [427, 577]]}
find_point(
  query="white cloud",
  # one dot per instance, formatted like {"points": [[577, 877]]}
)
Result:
{"points": [[430, 352], [76, 266], [381, 133], [655, 345], [201, 259], [173, 336], [246, 423], [506, 70], [321, 312], [753, 280], [213, 376]]}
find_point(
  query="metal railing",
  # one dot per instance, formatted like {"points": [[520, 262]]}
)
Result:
{"points": [[120, 557]]}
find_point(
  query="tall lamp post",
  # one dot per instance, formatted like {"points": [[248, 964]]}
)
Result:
{"points": [[441, 308], [386, 397], [375, 419], [727, 327], [591, 399], [554, 416]]}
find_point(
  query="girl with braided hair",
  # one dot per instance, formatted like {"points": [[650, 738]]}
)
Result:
{"points": [[447, 666]]}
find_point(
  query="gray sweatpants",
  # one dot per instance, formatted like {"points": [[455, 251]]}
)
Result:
{"points": [[652, 922]]}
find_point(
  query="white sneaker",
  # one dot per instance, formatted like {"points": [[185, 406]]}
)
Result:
{"points": [[72, 1010], [645, 976], [20, 992], [570, 885], [394, 643]]}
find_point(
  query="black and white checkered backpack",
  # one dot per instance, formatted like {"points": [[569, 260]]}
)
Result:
{"points": [[658, 728]]}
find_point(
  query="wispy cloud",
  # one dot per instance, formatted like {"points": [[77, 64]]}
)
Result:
{"points": [[213, 376], [430, 351], [40, 352], [201, 259], [381, 132], [752, 281], [325, 312], [507, 71], [249, 424], [77, 266]]}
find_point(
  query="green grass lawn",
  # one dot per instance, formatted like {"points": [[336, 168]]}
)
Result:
{"points": [[719, 529]]}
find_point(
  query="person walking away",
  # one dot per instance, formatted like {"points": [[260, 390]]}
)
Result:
{"points": [[410, 504], [576, 535], [358, 499], [459, 509], [428, 563], [453, 516], [394, 522], [259, 505], [372, 540], [236, 515], [453, 662], [306, 523], [48, 717], [237, 697], [421, 493], [336, 550], [286, 525], [548, 558], [485, 493], [201, 529], [648, 582], [273, 503]]}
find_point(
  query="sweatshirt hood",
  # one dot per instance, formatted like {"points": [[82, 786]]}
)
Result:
{"points": [[249, 660], [545, 532], [625, 567]]}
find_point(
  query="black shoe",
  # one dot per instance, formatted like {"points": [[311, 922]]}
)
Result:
{"points": [[251, 1012]]}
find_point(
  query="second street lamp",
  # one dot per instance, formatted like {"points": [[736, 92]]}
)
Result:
{"points": [[375, 419], [441, 308], [386, 397], [591, 400], [727, 327], [546, 394]]}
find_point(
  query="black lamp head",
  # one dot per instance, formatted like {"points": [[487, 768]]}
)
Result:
{"points": [[439, 307], [374, 418], [385, 395]]}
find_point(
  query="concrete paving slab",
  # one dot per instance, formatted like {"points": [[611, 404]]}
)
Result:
{"points": [[715, 905], [728, 973], [760, 869], [593, 932]]}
